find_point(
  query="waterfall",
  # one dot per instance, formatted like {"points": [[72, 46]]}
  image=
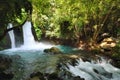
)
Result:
{"points": [[93, 70], [29, 42], [27, 34], [11, 34]]}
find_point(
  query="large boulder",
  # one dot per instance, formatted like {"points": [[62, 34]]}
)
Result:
{"points": [[6, 76], [58, 67], [52, 50], [36, 76], [5, 42], [5, 63], [108, 43]]}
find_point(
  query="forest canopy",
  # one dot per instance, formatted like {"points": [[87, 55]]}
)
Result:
{"points": [[71, 19], [57, 18]]}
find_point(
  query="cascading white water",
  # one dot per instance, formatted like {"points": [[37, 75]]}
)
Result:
{"points": [[29, 41], [27, 34], [101, 70], [11, 34]]}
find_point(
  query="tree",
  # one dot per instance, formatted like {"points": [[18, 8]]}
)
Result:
{"points": [[12, 11]]}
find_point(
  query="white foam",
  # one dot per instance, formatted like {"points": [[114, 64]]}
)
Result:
{"points": [[28, 39], [102, 70]]}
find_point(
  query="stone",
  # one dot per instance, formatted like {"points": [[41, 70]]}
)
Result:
{"points": [[54, 76], [37, 76], [52, 50], [6, 76], [5, 62], [74, 56], [78, 78], [108, 44]]}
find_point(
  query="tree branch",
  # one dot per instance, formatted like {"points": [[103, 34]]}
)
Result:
{"points": [[7, 30]]}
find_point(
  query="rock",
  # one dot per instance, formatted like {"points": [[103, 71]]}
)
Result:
{"points": [[105, 35], [71, 59], [54, 76], [16, 57], [6, 76], [45, 76], [37, 76], [115, 60], [103, 72], [96, 71], [5, 62], [108, 43], [5, 42], [78, 78], [74, 56], [52, 50], [46, 50]]}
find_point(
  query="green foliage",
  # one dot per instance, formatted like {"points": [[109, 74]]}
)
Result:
{"points": [[12, 9], [86, 18], [89, 18], [23, 14]]}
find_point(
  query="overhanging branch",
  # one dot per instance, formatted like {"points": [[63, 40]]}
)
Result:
{"points": [[7, 30]]}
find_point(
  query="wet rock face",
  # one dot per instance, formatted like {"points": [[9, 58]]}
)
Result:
{"points": [[37, 76], [6, 76], [5, 42], [52, 50], [116, 61], [60, 72], [44, 76], [18, 36], [78, 78], [53, 76], [5, 63]]}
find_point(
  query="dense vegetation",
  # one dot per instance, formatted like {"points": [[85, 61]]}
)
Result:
{"points": [[72, 20], [93, 26], [88, 18]]}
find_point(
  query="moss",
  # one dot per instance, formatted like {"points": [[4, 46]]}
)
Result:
{"points": [[4, 44]]}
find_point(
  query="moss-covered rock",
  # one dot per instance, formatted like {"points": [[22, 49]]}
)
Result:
{"points": [[5, 63], [5, 43], [52, 50], [37, 76], [6, 76]]}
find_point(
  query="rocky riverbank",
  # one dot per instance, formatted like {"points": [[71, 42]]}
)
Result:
{"points": [[51, 65]]}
